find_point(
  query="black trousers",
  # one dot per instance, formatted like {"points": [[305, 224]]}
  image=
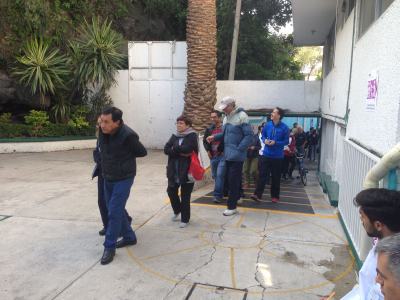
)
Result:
{"points": [[274, 167], [101, 201], [181, 205], [234, 182], [289, 163]]}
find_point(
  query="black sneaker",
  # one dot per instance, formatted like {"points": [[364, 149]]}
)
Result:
{"points": [[217, 200], [102, 232]]}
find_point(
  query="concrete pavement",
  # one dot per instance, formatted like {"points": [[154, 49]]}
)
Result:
{"points": [[50, 248]]}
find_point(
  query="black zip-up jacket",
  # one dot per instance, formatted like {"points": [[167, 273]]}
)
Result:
{"points": [[118, 153], [173, 150], [206, 144]]}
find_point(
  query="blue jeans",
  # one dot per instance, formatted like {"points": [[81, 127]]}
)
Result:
{"points": [[116, 194], [218, 174]]}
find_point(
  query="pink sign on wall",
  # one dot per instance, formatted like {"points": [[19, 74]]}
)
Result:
{"points": [[372, 95]]}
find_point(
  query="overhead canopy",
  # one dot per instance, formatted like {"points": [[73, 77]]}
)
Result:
{"points": [[288, 113], [312, 20]]}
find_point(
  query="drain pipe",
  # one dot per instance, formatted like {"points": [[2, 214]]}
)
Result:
{"points": [[387, 164]]}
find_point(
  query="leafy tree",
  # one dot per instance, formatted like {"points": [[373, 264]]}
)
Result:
{"points": [[261, 55], [310, 59]]}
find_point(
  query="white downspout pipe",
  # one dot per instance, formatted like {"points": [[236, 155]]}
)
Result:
{"points": [[388, 162]]}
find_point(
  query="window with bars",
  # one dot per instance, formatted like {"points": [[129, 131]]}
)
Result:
{"points": [[369, 12], [344, 9]]}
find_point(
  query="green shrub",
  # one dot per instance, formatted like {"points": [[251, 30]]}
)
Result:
{"points": [[5, 118], [51, 130], [37, 118], [8, 130], [37, 121]]}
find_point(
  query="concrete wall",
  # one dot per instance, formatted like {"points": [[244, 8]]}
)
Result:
{"points": [[151, 107], [378, 49], [295, 95], [336, 83]]}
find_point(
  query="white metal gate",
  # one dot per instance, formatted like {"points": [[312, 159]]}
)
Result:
{"points": [[157, 77], [356, 164]]}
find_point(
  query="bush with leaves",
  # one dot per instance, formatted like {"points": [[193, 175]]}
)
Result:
{"points": [[5, 118], [37, 120], [41, 69]]}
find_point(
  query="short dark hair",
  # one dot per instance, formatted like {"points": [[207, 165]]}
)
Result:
{"points": [[381, 205], [281, 112], [116, 113], [185, 119], [219, 114]]}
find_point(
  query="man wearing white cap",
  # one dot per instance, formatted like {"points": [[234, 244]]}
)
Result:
{"points": [[237, 136]]}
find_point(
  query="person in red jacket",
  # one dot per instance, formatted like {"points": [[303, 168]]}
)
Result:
{"points": [[289, 160]]}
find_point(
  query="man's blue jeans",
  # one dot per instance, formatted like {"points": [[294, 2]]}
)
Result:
{"points": [[218, 174], [116, 194]]}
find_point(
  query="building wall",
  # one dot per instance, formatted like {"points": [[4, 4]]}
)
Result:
{"points": [[151, 92], [336, 83], [295, 95], [377, 50]]}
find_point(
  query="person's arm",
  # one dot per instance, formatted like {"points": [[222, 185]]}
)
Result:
{"points": [[284, 139], [206, 144], [257, 144], [169, 147], [264, 134], [247, 137], [136, 146], [189, 145]]}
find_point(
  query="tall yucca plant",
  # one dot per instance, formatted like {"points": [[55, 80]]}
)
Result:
{"points": [[97, 50], [41, 69]]}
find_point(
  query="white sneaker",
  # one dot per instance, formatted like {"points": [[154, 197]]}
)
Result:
{"points": [[240, 201], [175, 218], [183, 225], [230, 212]]}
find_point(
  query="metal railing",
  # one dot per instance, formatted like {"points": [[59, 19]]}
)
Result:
{"points": [[356, 164]]}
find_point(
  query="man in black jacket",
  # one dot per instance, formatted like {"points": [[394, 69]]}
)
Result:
{"points": [[119, 146], [215, 151]]}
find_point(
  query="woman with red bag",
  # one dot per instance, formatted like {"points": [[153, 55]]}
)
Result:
{"points": [[179, 149]]}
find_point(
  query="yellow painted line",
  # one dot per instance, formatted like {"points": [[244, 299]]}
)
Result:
{"points": [[279, 212], [330, 231], [284, 226], [146, 269], [232, 265], [283, 202], [349, 268], [175, 252]]}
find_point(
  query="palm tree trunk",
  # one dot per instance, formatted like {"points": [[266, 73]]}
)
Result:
{"points": [[201, 90]]}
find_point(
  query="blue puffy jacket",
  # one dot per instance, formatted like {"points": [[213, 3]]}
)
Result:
{"points": [[278, 133], [237, 135]]}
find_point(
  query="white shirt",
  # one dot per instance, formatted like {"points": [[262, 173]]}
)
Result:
{"points": [[367, 289]]}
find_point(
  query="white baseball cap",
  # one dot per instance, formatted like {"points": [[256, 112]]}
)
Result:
{"points": [[225, 102]]}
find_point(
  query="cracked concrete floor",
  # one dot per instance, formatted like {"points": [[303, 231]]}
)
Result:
{"points": [[49, 247]]}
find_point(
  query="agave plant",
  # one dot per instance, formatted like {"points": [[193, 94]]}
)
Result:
{"points": [[41, 69], [96, 54], [61, 109]]}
